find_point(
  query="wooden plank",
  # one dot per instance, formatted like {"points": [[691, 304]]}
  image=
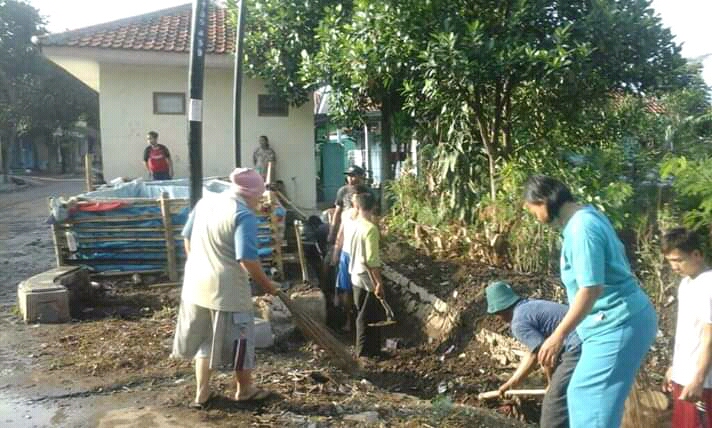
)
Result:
{"points": [[170, 239], [127, 273], [111, 229], [120, 238], [300, 252], [512, 393], [111, 219], [88, 176], [56, 239], [165, 285]]}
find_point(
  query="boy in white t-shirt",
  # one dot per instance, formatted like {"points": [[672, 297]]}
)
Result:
{"points": [[689, 379]]}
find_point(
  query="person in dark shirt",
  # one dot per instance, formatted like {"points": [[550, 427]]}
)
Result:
{"points": [[157, 158], [355, 176], [532, 321]]}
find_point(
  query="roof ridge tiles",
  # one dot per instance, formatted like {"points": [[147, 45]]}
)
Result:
{"points": [[165, 30]]}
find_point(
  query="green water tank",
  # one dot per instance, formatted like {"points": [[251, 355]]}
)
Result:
{"points": [[332, 169]]}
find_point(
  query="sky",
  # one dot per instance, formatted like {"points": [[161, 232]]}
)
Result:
{"points": [[689, 20]]}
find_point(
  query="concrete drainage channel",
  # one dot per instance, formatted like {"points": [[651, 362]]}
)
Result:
{"points": [[437, 317]]}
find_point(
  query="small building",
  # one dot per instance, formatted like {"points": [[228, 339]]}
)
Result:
{"points": [[139, 67]]}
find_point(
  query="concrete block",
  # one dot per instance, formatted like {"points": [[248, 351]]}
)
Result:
{"points": [[312, 302], [42, 299]]}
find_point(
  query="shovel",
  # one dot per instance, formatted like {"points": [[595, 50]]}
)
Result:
{"points": [[389, 315], [386, 307]]}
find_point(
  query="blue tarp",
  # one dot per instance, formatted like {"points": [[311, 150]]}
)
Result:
{"points": [[139, 250]]}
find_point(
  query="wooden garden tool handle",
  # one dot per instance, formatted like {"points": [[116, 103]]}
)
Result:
{"points": [[512, 393]]}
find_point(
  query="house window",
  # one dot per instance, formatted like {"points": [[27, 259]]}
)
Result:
{"points": [[168, 103], [272, 105]]}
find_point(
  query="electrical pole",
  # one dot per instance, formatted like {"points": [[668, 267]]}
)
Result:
{"points": [[195, 88], [237, 83]]}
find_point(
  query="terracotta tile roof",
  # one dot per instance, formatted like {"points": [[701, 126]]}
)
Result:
{"points": [[652, 105], [166, 30]]}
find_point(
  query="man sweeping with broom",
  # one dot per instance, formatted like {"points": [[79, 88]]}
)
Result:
{"points": [[215, 323]]}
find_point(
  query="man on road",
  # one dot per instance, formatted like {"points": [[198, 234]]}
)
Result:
{"points": [[215, 325], [157, 158], [262, 157]]}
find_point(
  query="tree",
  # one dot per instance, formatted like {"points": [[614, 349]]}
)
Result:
{"points": [[36, 96], [481, 79], [277, 36], [492, 67], [366, 53], [18, 23]]}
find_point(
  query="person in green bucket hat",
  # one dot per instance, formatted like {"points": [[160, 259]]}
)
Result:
{"points": [[531, 322]]}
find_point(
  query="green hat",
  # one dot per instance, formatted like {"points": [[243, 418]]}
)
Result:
{"points": [[500, 296]]}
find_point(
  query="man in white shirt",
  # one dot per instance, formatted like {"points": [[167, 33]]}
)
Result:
{"points": [[689, 379]]}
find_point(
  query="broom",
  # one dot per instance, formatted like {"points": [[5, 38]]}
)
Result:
{"points": [[644, 406], [320, 335]]}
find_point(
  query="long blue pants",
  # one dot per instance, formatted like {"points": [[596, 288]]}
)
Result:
{"points": [[605, 373]]}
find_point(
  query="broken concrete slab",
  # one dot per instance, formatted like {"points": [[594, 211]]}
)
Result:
{"points": [[505, 350]]}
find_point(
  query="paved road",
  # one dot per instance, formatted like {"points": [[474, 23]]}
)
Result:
{"points": [[25, 240], [26, 249]]}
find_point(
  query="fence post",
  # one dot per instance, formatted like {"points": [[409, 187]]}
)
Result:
{"points": [[170, 239], [56, 239], [88, 176]]}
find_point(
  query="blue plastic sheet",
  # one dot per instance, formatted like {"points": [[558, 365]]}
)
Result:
{"points": [[103, 246], [142, 250]]}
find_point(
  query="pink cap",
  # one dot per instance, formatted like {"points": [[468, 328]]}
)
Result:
{"points": [[247, 182]]}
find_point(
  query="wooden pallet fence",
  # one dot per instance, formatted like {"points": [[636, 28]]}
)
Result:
{"points": [[117, 241]]}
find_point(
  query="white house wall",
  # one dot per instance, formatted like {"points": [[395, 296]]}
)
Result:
{"points": [[86, 70], [126, 104]]}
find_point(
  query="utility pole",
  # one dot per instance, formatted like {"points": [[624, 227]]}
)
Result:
{"points": [[195, 88], [237, 83]]}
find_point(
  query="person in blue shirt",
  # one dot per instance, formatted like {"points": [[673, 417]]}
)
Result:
{"points": [[532, 321], [610, 312]]}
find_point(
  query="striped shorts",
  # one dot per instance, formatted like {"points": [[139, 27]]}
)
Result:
{"points": [[227, 339]]}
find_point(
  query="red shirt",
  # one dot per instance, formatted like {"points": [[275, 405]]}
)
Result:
{"points": [[157, 157]]}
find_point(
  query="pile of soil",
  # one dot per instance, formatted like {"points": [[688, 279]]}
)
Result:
{"points": [[462, 363]]}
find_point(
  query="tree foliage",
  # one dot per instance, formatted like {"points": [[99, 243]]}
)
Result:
{"points": [[496, 74], [36, 96], [278, 35]]}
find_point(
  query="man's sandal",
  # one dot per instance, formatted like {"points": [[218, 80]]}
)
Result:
{"points": [[257, 395], [205, 405]]}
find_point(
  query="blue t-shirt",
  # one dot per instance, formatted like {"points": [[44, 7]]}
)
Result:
{"points": [[246, 247], [535, 320], [592, 254]]}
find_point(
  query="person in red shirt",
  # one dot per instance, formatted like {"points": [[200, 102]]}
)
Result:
{"points": [[157, 158]]}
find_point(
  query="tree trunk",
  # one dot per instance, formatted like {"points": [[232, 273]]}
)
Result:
{"points": [[386, 138], [4, 161], [490, 145], [492, 174]]}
